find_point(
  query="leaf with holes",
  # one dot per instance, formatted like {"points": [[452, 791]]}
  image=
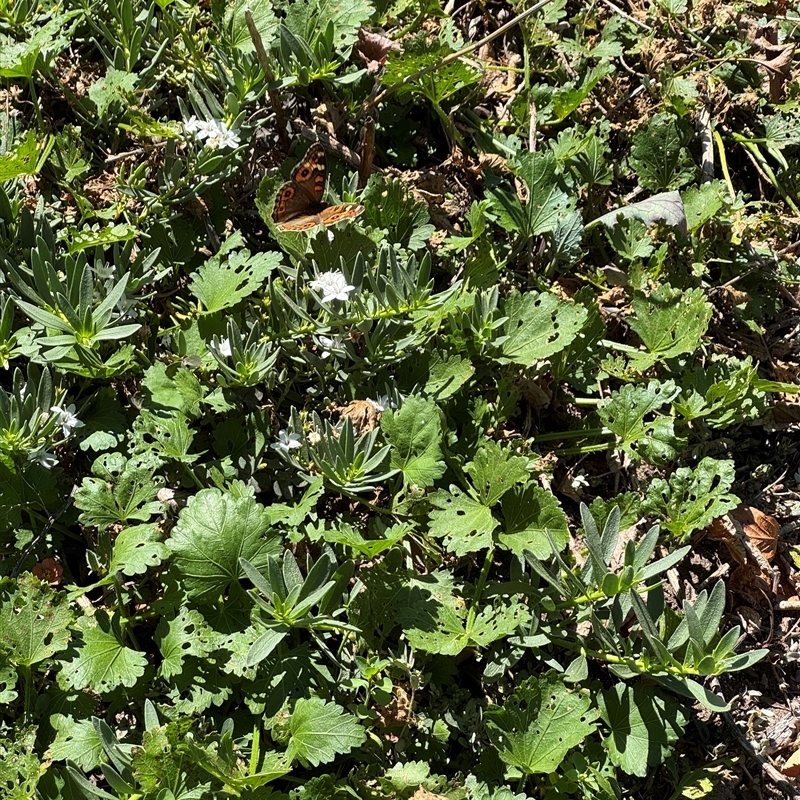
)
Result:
{"points": [[494, 471], [669, 322], [465, 524], [624, 415], [538, 325], [185, 635], [692, 498], [102, 661], [34, 622], [137, 549], [540, 723]]}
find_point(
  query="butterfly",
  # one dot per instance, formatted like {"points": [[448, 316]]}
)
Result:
{"points": [[298, 204]]}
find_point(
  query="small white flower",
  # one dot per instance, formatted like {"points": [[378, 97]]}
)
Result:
{"points": [[382, 403], [286, 441], [105, 271], [580, 481], [68, 420], [313, 438], [214, 133], [333, 286], [224, 347], [193, 125], [223, 137], [43, 458], [328, 345]]}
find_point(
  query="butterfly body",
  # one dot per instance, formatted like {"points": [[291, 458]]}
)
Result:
{"points": [[298, 203]]}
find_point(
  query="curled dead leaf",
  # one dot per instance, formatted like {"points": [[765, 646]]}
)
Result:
{"points": [[373, 48], [364, 415]]}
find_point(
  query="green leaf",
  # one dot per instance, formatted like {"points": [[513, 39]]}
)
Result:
{"points": [[539, 724], [166, 436], [392, 208], [21, 160], [177, 389], [447, 373], [102, 662], [659, 154], [77, 741], [624, 412], [408, 775], [105, 424], [631, 239], [415, 433], [34, 620], [102, 237], [264, 18], [441, 623], [20, 767], [644, 723], [320, 731], [223, 760], [185, 635], [115, 86], [465, 524], [669, 322], [547, 202], [494, 471], [437, 86], [213, 532], [538, 325], [231, 275], [137, 549], [530, 513], [703, 203], [568, 97], [723, 391], [122, 491], [308, 20], [692, 498]]}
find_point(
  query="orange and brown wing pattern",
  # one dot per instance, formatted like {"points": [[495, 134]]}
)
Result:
{"points": [[298, 201], [329, 215], [303, 191]]}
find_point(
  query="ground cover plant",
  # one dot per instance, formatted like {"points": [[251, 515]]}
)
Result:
{"points": [[398, 399]]}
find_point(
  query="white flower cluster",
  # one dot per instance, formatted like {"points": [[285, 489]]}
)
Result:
{"points": [[214, 133], [333, 286]]}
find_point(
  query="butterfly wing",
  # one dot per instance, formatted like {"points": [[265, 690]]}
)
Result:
{"points": [[330, 215], [303, 191]]}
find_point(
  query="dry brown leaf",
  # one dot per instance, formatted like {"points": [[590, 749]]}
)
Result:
{"points": [[792, 766], [762, 529], [373, 48], [363, 414]]}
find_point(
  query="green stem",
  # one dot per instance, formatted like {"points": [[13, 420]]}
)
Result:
{"points": [[576, 434], [35, 100], [479, 587], [255, 754], [28, 690]]}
